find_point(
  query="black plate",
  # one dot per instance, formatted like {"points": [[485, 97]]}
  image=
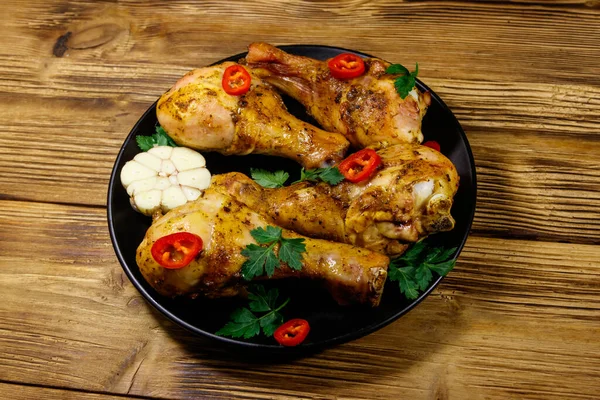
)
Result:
{"points": [[330, 323]]}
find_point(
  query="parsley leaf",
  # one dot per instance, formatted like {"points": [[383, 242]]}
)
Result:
{"points": [[413, 270], [164, 137], [266, 236], [269, 179], [442, 269], [404, 85], [397, 69], [160, 138], [404, 277], [244, 323], [145, 143], [262, 259], [414, 252], [290, 252], [406, 81], [444, 255], [260, 299], [423, 276], [270, 322], [330, 175]]}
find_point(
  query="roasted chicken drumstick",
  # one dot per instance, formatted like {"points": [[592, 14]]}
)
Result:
{"points": [[351, 274], [409, 198], [366, 109], [196, 112]]}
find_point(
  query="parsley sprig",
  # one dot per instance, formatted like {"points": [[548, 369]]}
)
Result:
{"points": [[331, 175], [413, 270], [406, 81], [245, 323], [262, 257], [269, 179], [160, 138]]}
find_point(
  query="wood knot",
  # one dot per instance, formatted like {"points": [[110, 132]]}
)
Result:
{"points": [[86, 38], [60, 47]]}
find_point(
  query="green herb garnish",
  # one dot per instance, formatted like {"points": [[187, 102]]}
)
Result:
{"points": [[244, 322], [262, 257], [160, 138], [331, 175], [413, 270], [269, 179], [406, 81]]}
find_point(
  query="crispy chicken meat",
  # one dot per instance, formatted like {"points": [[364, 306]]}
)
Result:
{"points": [[196, 112], [367, 109], [350, 229], [351, 274], [409, 198]]}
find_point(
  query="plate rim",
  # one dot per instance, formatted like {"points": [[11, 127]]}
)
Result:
{"points": [[308, 347]]}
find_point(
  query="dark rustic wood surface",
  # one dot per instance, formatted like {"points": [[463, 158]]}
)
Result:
{"points": [[519, 317]]}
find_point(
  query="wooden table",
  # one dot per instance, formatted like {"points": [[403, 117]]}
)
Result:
{"points": [[519, 317]]}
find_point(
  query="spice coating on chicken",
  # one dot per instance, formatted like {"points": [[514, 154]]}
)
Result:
{"points": [[303, 207], [351, 274], [367, 109], [196, 112], [409, 198]]}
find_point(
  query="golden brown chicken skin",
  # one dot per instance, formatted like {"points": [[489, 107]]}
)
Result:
{"points": [[367, 109], [409, 198], [196, 112], [351, 274]]}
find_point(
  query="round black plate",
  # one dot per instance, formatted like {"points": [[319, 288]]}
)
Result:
{"points": [[330, 323]]}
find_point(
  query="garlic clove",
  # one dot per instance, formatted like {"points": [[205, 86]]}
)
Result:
{"points": [[190, 193], [172, 197], [133, 171], [162, 183], [198, 178], [168, 167], [141, 186], [173, 180], [186, 159], [148, 160], [163, 152], [148, 202]]}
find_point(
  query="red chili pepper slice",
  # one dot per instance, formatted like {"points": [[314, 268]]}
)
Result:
{"points": [[292, 333], [236, 80], [176, 250], [360, 165], [433, 144], [346, 66]]}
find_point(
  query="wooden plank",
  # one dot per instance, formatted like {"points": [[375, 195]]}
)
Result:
{"points": [[455, 40], [536, 188], [515, 319], [22, 392], [63, 150], [536, 157], [65, 117]]}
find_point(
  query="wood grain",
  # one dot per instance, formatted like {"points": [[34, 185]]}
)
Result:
{"points": [[456, 39], [518, 318], [545, 184], [552, 131], [22, 392], [515, 318]]}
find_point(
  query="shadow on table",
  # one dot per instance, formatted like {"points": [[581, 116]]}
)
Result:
{"points": [[406, 343]]}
